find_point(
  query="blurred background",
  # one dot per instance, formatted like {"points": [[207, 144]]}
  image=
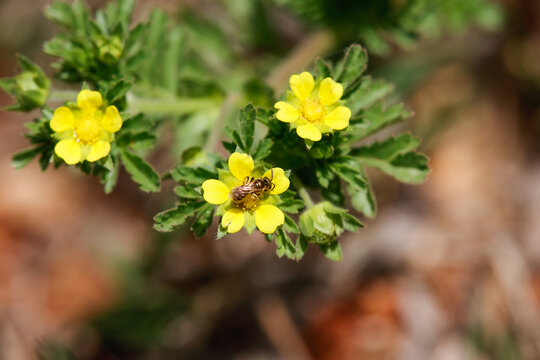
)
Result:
{"points": [[447, 270]]}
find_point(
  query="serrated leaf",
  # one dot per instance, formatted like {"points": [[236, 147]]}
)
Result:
{"points": [[395, 157], [247, 127], [188, 191], [322, 68], [351, 223], [301, 247], [332, 250], [195, 175], [173, 218], [21, 159], [290, 225], [110, 178], [363, 200], [60, 13], [203, 220], [137, 123], [141, 172], [263, 149], [369, 93], [376, 118], [388, 148], [351, 68], [284, 245]]}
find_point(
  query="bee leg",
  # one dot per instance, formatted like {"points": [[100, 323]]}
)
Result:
{"points": [[272, 187], [246, 180]]}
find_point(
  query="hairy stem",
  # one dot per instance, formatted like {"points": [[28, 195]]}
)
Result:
{"points": [[302, 191], [215, 132], [168, 105]]}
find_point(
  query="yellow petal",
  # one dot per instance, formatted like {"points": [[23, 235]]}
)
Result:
{"points": [[302, 85], [268, 218], [69, 150], [111, 121], [241, 165], [287, 113], [330, 91], [215, 192], [233, 220], [99, 150], [338, 119], [278, 178], [62, 119], [88, 100], [309, 131]]}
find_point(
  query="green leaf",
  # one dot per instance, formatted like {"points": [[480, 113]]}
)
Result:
{"points": [[290, 225], [324, 175], [363, 200], [351, 68], [188, 191], [194, 175], [171, 59], [369, 93], [263, 149], [221, 232], [153, 42], [173, 218], [376, 118], [284, 245], [60, 13], [247, 127], [110, 177], [117, 91], [322, 149], [333, 192], [301, 247], [21, 159], [351, 223], [137, 123], [351, 175], [396, 157], [125, 10], [322, 68], [141, 172], [203, 220], [388, 148], [332, 251], [138, 141]]}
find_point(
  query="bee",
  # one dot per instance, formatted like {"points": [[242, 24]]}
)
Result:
{"points": [[247, 194]]}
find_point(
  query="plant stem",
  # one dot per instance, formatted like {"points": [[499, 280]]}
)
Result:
{"points": [[168, 105], [217, 129], [316, 44], [302, 191]]}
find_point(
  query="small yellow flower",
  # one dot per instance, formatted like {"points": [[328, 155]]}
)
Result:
{"points": [[259, 211], [312, 110], [85, 132]]}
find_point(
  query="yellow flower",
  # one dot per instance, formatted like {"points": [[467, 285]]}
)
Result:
{"points": [[313, 110], [255, 210], [85, 132]]}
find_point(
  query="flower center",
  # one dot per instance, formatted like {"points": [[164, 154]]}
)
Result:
{"points": [[87, 129], [312, 110], [245, 201]]}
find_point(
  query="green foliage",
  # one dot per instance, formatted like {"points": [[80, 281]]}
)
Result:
{"points": [[178, 85], [379, 24], [30, 88], [141, 172]]}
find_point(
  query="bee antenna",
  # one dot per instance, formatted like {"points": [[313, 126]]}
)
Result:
{"points": [[271, 174]]}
